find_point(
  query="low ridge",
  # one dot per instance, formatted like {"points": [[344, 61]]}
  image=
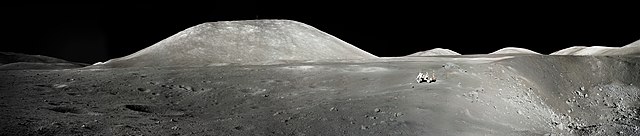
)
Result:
{"points": [[514, 50], [435, 52]]}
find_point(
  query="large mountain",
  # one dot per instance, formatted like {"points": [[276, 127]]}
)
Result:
{"points": [[241, 42]]}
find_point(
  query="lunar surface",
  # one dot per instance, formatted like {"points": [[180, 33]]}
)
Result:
{"points": [[435, 52], [337, 91]]}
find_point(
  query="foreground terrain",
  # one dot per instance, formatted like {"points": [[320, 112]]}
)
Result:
{"points": [[473, 95]]}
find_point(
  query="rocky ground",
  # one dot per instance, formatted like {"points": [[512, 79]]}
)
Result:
{"points": [[473, 95]]}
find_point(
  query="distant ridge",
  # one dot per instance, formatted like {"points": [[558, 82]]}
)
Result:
{"points": [[241, 42], [633, 44], [632, 49], [514, 50], [435, 52], [582, 50], [10, 57], [19, 61]]}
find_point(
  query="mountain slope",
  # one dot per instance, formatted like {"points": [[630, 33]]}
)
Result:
{"points": [[241, 42]]}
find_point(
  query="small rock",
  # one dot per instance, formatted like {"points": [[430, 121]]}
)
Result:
{"points": [[287, 119], [238, 128], [397, 114], [376, 110], [363, 127], [277, 113], [333, 109], [188, 88], [144, 90], [59, 85], [174, 128]]}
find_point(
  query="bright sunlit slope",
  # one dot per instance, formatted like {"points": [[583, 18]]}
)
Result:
{"points": [[241, 42]]}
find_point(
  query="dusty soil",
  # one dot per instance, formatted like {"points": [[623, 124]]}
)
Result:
{"points": [[479, 95]]}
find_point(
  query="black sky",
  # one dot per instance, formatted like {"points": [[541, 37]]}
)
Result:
{"points": [[97, 32]]}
